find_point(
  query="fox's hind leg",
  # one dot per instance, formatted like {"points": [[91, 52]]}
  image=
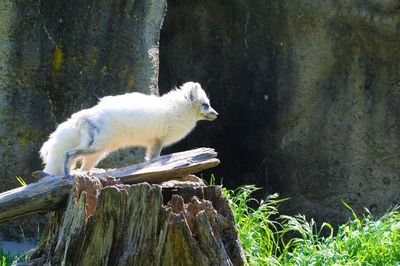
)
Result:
{"points": [[90, 161], [73, 154], [89, 148]]}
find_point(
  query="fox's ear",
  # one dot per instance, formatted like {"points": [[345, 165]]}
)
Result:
{"points": [[194, 92]]}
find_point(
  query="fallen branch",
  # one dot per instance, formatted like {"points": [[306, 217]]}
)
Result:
{"points": [[166, 167], [51, 191], [45, 195]]}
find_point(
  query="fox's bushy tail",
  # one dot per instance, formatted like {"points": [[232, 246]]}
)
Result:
{"points": [[66, 136]]}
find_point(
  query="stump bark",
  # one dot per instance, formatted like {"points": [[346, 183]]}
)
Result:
{"points": [[110, 223]]}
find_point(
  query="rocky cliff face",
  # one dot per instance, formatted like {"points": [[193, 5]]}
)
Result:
{"points": [[308, 94], [58, 57], [308, 91]]}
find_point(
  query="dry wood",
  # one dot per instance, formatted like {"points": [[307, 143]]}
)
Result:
{"points": [[51, 191], [44, 195], [141, 224], [165, 167]]}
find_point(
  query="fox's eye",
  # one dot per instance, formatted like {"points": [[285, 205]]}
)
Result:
{"points": [[204, 105]]}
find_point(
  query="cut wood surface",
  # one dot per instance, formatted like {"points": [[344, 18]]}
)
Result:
{"points": [[51, 191]]}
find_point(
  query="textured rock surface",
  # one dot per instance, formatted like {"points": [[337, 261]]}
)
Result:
{"points": [[57, 57], [308, 92]]}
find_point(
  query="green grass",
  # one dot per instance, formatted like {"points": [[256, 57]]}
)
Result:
{"points": [[257, 231], [270, 239], [5, 258]]}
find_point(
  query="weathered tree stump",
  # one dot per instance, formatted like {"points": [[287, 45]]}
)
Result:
{"points": [[110, 223]]}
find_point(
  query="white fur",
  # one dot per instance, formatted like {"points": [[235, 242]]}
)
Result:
{"points": [[132, 119]]}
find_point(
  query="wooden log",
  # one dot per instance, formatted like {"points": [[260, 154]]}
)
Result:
{"points": [[142, 224], [51, 191], [44, 195], [165, 167]]}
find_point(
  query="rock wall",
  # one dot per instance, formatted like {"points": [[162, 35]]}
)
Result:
{"points": [[308, 91], [308, 94], [58, 57]]}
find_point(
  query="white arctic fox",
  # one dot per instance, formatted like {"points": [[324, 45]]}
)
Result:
{"points": [[131, 119]]}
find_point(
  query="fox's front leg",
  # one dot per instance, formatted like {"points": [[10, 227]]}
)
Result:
{"points": [[154, 150]]}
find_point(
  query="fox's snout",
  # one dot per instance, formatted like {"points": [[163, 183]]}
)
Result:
{"points": [[211, 114]]}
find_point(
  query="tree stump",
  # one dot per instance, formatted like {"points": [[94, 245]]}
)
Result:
{"points": [[110, 223]]}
